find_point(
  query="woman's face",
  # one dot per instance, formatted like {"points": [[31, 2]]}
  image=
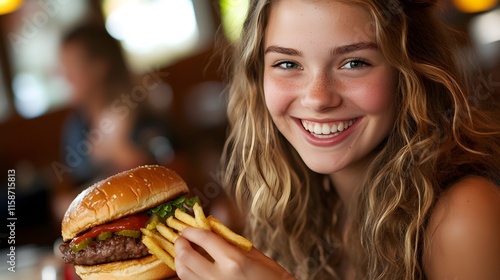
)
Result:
{"points": [[83, 73], [327, 87]]}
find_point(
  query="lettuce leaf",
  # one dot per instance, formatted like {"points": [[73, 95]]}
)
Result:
{"points": [[167, 209]]}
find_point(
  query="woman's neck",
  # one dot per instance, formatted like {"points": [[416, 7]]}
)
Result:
{"points": [[348, 180]]}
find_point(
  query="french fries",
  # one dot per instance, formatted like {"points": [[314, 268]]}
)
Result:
{"points": [[156, 250], [160, 240], [167, 232], [229, 235], [200, 218], [176, 224], [185, 217]]}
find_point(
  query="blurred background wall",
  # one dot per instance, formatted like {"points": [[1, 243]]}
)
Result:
{"points": [[169, 48]]}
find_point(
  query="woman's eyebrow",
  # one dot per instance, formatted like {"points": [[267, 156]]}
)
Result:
{"points": [[282, 50], [353, 47], [335, 51]]}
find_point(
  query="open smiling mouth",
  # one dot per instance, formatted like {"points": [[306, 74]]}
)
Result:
{"points": [[327, 130]]}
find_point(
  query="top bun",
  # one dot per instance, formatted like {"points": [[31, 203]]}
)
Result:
{"points": [[120, 195]]}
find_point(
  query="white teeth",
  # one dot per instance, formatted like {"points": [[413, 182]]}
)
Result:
{"points": [[334, 128], [326, 129], [317, 129], [340, 127]]}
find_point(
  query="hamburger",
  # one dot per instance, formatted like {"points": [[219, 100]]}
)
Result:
{"points": [[101, 227]]}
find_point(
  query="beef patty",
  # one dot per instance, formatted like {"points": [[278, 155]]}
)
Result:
{"points": [[115, 248]]}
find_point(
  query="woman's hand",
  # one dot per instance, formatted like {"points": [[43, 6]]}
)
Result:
{"points": [[228, 262]]}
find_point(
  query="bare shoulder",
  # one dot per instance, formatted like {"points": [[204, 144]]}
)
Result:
{"points": [[462, 240]]}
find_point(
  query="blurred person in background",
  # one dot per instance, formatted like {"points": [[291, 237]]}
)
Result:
{"points": [[108, 130]]}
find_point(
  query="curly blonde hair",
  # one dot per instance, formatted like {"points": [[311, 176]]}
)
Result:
{"points": [[440, 135]]}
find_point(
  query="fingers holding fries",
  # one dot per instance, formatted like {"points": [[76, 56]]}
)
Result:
{"points": [[229, 262], [189, 256], [160, 239], [201, 221]]}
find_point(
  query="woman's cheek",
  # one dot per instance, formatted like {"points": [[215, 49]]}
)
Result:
{"points": [[374, 95], [278, 95]]}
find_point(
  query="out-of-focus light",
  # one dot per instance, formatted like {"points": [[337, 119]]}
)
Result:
{"points": [[30, 99], [484, 28], [474, 6], [154, 33], [155, 24], [49, 273], [234, 13], [8, 6]]}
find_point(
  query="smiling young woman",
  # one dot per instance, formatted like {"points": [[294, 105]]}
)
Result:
{"points": [[328, 92], [356, 149]]}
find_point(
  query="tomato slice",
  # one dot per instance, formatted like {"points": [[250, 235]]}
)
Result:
{"points": [[134, 222]]}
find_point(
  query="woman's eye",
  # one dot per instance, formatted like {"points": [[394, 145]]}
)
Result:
{"points": [[287, 65], [354, 64]]}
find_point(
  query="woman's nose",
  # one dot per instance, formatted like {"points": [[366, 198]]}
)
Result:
{"points": [[322, 93]]}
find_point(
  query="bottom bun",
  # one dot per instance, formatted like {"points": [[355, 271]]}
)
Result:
{"points": [[147, 268]]}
